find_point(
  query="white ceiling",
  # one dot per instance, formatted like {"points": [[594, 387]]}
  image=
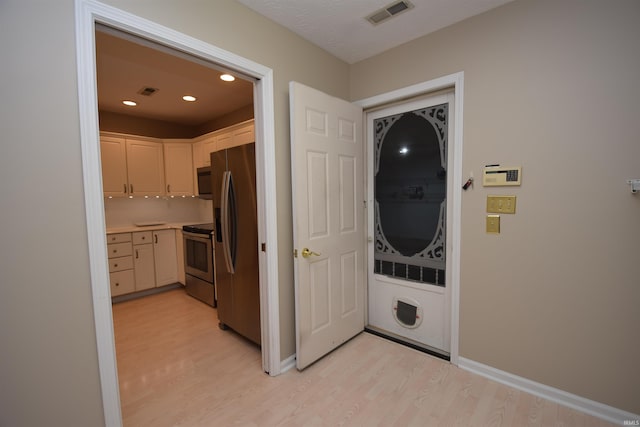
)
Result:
{"points": [[340, 27], [126, 64]]}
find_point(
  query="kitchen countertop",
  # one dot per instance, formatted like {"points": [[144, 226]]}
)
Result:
{"points": [[165, 226]]}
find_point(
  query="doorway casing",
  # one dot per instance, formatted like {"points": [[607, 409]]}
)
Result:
{"points": [[87, 14], [456, 82]]}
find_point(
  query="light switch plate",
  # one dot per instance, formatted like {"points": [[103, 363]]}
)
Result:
{"points": [[493, 224], [501, 204]]}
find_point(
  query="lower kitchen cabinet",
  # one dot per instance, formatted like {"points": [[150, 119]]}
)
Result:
{"points": [[122, 282], [144, 267], [142, 260], [164, 252], [121, 275]]}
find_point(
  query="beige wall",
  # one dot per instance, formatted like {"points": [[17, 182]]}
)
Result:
{"points": [[48, 361], [552, 86], [48, 356]]}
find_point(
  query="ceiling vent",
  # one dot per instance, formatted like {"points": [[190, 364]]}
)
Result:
{"points": [[389, 11], [148, 91]]}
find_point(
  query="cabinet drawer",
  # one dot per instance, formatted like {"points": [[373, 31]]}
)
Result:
{"points": [[116, 250], [118, 238], [120, 263], [122, 282], [142, 237]]}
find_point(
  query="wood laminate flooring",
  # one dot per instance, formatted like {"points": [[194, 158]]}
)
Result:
{"points": [[177, 368]]}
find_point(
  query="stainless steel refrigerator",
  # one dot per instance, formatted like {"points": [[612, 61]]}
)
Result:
{"points": [[233, 176]]}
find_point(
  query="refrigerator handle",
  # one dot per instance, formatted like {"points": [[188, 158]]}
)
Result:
{"points": [[224, 207], [233, 224]]}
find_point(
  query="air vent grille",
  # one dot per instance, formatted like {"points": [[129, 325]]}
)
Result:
{"points": [[148, 91], [389, 11]]}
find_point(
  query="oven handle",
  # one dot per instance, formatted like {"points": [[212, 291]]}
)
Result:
{"points": [[196, 235], [226, 244]]}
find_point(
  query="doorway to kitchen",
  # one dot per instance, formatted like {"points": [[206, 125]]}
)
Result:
{"points": [[89, 14]]}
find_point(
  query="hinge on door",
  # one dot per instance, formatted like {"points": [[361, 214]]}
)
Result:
{"points": [[263, 247], [295, 253]]}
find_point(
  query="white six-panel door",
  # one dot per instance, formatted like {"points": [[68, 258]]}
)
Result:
{"points": [[328, 219]]}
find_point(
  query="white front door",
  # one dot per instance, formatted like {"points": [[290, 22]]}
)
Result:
{"points": [[327, 156], [410, 166]]}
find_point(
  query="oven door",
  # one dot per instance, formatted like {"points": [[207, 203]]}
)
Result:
{"points": [[198, 256]]}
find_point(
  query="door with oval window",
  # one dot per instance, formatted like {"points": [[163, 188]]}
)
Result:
{"points": [[409, 159]]}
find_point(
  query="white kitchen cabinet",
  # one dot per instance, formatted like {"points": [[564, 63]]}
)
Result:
{"points": [[121, 282], [145, 167], [244, 134], [143, 260], [178, 168], [202, 150], [113, 153], [237, 135], [165, 255], [119, 251], [223, 140], [180, 257]]}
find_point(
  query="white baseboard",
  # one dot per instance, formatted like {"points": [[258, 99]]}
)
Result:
{"points": [[560, 397], [288, 363]]}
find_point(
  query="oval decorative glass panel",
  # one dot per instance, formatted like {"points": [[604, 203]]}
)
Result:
{"points": [[410, 194]]}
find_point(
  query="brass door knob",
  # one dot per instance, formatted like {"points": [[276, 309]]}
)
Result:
{"points": [[306, 253]]}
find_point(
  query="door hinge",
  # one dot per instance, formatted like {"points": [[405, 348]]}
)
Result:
{"points": [[263, 247], [295, 253]]}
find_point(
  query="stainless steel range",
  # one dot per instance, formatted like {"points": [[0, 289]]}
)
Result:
{"points": [[198, 262]]}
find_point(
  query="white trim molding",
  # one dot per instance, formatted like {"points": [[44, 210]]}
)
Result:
{"points": [[455, 81], [88, 13], [596, 409], [288, 363]]}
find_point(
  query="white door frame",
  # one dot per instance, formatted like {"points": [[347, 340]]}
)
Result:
{"points": [[87, 14], [455, 81]]}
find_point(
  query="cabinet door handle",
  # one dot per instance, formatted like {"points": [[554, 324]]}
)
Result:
{"points": [[168, 188], [156, 236], [125, 188], [136, 254], [131, 186], [115, 265]]}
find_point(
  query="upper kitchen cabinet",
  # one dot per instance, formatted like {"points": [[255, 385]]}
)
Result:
{"points": [[131, 166], [201, 148], [178, 168], [113, 152], [145, 167], [241, 134]]}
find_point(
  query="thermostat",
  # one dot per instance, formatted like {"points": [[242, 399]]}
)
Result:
{"points": [[497, 176]]}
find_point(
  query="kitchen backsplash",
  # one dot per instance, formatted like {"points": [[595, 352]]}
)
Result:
{"points": [[123, 212]]}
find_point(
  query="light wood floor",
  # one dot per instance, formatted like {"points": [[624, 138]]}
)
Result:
{"points": [[177, 368]]}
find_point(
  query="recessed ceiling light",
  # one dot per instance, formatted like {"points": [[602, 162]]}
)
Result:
{"points": [[189, 98], [227, 77], [130, 103]]}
